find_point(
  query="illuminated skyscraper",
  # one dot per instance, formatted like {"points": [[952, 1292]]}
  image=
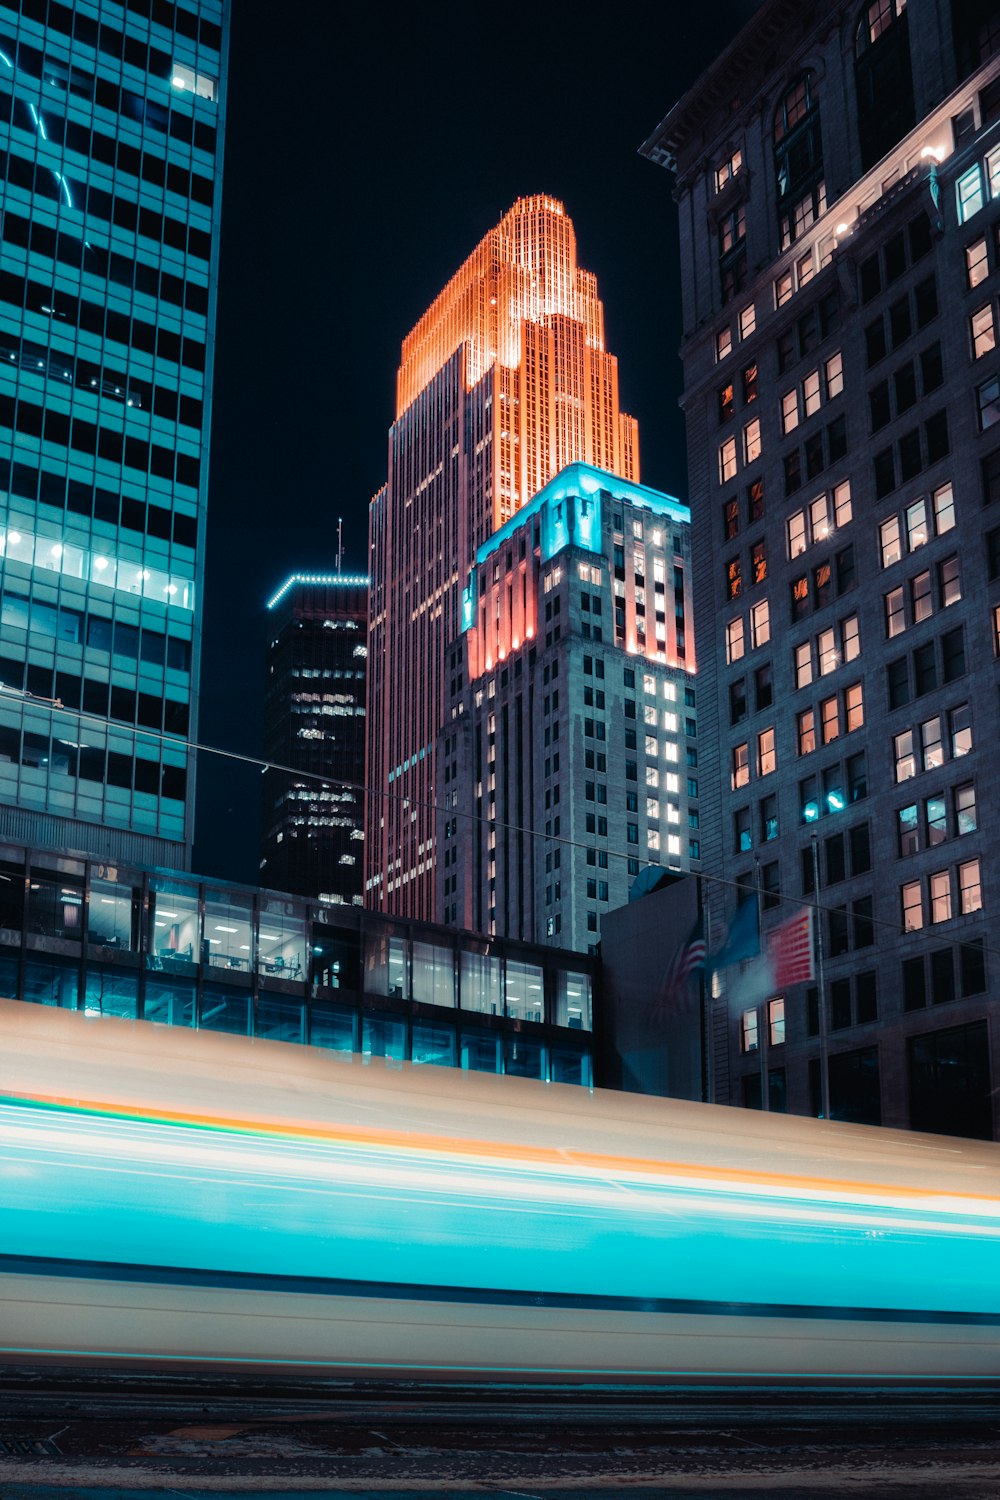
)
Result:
{"points": [[314, 724], [503, 382], [111, 130]]}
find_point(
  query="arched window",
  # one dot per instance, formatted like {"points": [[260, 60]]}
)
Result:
{"points": [[798, 159], [883, 78]]}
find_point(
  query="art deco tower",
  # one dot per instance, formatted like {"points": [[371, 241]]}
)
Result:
{"points": [[503, 382]]}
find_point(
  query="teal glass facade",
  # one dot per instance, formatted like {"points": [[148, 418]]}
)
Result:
{"points": [[161, 946], [111, 134]]}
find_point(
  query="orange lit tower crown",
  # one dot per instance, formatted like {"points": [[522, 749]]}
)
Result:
{"points": [[503, 382]]}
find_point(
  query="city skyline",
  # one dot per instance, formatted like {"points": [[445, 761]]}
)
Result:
{"points": [[503, 381], [388, 239]]}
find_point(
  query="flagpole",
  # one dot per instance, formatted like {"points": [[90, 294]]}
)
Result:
{"points": [[705, 986], [824, 1061], [762, 1038]]}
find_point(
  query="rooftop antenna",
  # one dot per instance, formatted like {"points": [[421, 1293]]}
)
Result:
{"points": [[340, 545]]}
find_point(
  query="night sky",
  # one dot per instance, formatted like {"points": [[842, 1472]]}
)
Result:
{"points": [[365, 156]]}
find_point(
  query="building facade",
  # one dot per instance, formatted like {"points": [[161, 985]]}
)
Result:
{"points": [[312, 830], [838, 187], [111, 129], [569, 755], [155, 946], [503, 382]]}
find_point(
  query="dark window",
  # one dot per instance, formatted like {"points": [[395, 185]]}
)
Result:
{"points": [[914, 985], [950, 1081]]}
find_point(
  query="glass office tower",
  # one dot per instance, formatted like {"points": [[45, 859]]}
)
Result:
{"points": [[111, 131]]}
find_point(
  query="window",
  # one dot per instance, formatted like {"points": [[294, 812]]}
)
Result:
{"points": [[829, 711], [982, 331], [890, 537], [790, 410], [740, 765], [854, 707], [776, 1021], [806, 731], [959, 730], [826, 649], [751, 441], [758, 562], [965, 809], [988, 398], [734, 580], [725, 402], [749, 1030], [912, 903], [727, 460], [769, 819], [765, 752], [970, 891], [949, 584], [742, 840], [734, 639], [969, 193], [907, 830], [730, 519], [750, 383], [723, 343], [976, 264], [940, 890], [833, 371], [760, 623], [747, 321], [905, 757], [728, 169]]}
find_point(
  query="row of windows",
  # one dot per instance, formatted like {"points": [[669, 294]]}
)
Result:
{"points": [[911, 676], [43, 621], [43, 752], [759, 631], [817, 588], [977, 185], [819, 451], [917, 600], [754, 509], [808, 395], [916, 450], [841, 855], [894, 396], [74, 78], [96, 317], [929, 744], [126, 705], [98, 204], [908, 315], [825, 514], [827, 651], [101, 381], [922, 825], [907, 247], [87, 499], [968, 958], [941, 895], [108, 39], [96, 142], [47, 424], [915, 524], [834, 788], [841, 713]]}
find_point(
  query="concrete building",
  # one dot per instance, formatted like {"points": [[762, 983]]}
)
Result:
{"points": [[837, 174], [503, 382], [569, 755], [111, 140], [312, 831]]}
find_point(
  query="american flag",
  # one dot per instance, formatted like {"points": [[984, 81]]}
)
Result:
{"points": [[688, 957], [790, 950]]}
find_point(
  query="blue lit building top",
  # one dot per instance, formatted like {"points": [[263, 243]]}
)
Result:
{"points": [[580, 521], [324, 580]]}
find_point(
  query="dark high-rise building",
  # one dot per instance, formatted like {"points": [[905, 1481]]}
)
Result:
{"points": [[111, 133], [314, 736], [838, 184]]}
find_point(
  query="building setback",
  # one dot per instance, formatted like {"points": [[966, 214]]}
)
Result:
{"points": [[503, 382], [314, 725], [838, 188], [111, 133], [569, 753]]}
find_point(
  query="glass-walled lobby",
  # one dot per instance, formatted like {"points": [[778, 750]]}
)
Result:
{"points": [[169, 949]]}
